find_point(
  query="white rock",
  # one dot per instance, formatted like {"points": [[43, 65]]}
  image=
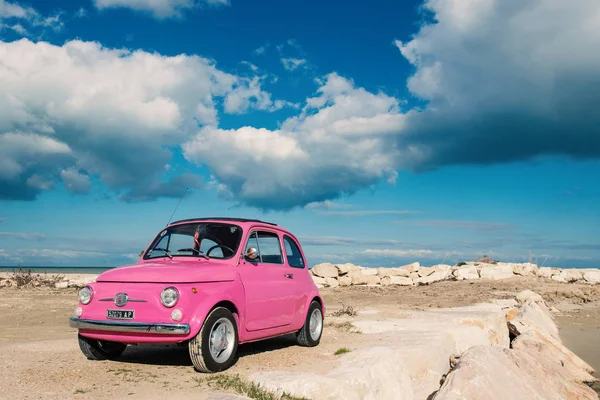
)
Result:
{"points": [[414, 275], [434, 277], [533, 316], [325, 270], [545, 272], [61, 285], [357, 278], [414, 267], [525, 269], [425, 271], [345, 268], [368, 271], [553, 355], [466, 272], [369, 374], [373, 280], [345, 280], [318, 280], [486, 372], [559, 278], [572, 275], [592, 276], [528, 295], [441, 267], [382, 272], [332, 282], [496, 271], [396, 280]]}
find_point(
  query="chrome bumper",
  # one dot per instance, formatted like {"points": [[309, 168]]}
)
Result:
{"points": [[135, 327]]}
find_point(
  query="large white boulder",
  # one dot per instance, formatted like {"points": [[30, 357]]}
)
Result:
{"points": [[345, 280], [319, 281], [383, 272], [368, 271], [493, 372], [592, 276], [571, 275], [465, 272], [367, 374], [545, 272], [332, 282], [414, 267], [425, 271], [436, 276], [525, 269], [396, 280], [357, 278], [346, 268], [496, 271], [325, 270]]}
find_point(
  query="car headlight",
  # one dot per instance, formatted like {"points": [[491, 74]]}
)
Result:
{"points": [[169, 297], [85, 295]]}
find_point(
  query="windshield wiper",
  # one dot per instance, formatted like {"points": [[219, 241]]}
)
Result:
{"points": [[167, 252]]}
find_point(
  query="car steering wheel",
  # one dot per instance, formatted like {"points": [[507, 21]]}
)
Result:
{"points": [[216, 246]]}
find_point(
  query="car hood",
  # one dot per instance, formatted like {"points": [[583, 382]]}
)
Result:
{"points": [[170, 272]]}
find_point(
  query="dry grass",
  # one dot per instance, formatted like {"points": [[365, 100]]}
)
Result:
{"points": [[345, 310], [25, 277], [341, 350], [244, 387]]}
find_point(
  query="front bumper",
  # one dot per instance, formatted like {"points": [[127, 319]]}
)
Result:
{"points": [[128, 327]]}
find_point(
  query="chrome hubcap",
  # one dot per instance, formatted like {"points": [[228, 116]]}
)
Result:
{"points": [[315, 324], [221, 340]]}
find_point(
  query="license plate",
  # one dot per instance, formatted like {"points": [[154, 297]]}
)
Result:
{"points": [[119, 314]]}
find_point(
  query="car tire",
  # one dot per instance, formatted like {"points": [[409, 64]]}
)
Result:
{"points": [[310, 335], [100, 349], [214, 348]]}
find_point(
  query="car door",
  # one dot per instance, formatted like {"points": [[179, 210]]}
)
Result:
{"points": [[300, 279], [269, 293]]}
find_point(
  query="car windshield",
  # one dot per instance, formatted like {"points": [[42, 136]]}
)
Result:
{"points": [[206, 240]]}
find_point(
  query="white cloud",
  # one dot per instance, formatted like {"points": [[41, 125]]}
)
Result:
{"points": [[262, 49], [75, 181], [505, 80], [360, 213], [85, 105], [160, 9], [327, 205], [292, 64], [19, 18], [422, 253], [338, 144]]}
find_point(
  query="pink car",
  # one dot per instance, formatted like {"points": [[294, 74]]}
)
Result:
{"points": [[210, 283]]}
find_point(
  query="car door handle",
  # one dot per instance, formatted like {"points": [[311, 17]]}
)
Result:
{"points": [[290, 276]]}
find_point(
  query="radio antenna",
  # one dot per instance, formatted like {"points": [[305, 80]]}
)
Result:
{"points": [[175, 210]]}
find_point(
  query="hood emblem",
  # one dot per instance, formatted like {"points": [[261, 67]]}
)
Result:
{"points": [[121, 299]]}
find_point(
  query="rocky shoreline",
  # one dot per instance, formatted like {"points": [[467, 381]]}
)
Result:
{"points": [[334, 275]]}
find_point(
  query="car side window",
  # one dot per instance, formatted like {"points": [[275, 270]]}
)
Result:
{"points": [[252, 242], [292, 252], [269, 248]]}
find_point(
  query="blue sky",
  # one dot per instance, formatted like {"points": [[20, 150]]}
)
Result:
{"points": [[380, 133]]}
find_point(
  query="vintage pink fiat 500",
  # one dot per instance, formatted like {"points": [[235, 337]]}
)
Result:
{"points": [[211, 283]]}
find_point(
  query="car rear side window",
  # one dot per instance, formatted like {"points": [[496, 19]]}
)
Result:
{"points": [[292, 252]]}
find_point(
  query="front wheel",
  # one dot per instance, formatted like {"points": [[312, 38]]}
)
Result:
{"points": [[100, 349], [213, 349], [310, 334]]}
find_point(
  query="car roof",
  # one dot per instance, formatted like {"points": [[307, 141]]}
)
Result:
{"points": [[229, 219]]}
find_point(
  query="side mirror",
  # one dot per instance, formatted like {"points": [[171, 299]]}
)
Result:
{"points": [[251, 253]]}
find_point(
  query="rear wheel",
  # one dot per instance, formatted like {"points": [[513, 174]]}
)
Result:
{"points": [[214, 348], [100, 349], [310, 334]]}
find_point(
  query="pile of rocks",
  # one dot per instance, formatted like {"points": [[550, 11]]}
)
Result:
{"points": [[334, 275]]}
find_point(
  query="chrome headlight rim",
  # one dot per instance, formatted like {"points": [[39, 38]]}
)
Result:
{"points": [[85, 300], [174, 302]]}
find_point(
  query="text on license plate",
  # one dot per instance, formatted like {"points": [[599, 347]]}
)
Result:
{"points": [[119, 314]]}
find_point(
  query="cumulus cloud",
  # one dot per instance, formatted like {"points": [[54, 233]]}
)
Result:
{"points": [[504, 80], [338, 144], [327, 205], [160, 9], [111, 113]]}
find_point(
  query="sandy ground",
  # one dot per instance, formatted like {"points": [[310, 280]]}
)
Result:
{"points": [[40, 358]]}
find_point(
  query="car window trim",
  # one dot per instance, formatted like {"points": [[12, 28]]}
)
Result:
{"points": [[298, 247], [256, 230]]}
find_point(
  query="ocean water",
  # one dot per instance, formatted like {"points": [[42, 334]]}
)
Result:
{"points": [[58, 270]]}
